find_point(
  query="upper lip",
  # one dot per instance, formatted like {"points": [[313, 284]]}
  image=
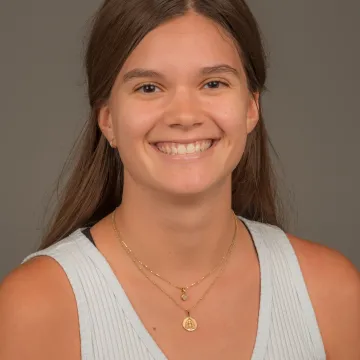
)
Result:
{"points": [[184, 141]]}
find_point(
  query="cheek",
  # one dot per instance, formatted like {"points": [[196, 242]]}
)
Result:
{"points": [[133, 123], [230, 117]]}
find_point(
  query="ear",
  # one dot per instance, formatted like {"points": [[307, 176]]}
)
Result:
{"points": [[106, 124], [253, 113]]}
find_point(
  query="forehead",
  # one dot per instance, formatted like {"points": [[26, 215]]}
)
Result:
{"points": [[188, 42]]}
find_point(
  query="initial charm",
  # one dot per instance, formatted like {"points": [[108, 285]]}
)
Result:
{"points": [[184, 295]]}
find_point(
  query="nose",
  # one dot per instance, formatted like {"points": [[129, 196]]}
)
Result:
{"points": [[183, 111]]}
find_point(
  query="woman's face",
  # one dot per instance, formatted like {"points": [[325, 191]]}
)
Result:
{"points": [[180, 110]]}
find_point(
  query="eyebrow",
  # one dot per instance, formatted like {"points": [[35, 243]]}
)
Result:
{"points": [[208, 70]]}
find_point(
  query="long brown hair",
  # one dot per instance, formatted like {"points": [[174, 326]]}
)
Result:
{"points": [[94, 186]]}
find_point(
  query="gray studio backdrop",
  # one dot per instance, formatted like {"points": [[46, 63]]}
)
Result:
{"points": [[311, 110]]}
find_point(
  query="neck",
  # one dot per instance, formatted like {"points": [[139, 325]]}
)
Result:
{"points": [[170, 235]]}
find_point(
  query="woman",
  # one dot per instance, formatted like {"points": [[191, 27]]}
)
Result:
{"points": [[145, 258]]}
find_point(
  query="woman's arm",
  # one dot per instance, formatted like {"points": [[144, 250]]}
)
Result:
{"points": [[38, 315], [334, 287]]}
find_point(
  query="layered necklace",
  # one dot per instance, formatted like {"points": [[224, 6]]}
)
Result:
{"points": [[189, 323]]}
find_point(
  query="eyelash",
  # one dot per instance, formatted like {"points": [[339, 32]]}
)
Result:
{"points": [[151, 84]]}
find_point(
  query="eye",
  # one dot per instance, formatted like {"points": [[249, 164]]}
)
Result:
{"points": [[146, 88], [215, 84], [151, 88]]}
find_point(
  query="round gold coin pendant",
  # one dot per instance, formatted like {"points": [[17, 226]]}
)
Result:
{"points": [[190, 324]]}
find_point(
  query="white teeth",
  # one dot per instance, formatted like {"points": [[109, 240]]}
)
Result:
{"points": [[190, 148], [182, 149]]}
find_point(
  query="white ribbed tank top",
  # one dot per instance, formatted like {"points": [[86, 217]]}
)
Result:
{"points": [[110, 329]]}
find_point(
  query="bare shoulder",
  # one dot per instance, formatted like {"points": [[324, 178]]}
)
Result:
{"points": [[333, 283], [38, 313]]}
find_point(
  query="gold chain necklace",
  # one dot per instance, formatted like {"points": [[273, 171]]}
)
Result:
{"points": [[184, 295], [189, 323]]}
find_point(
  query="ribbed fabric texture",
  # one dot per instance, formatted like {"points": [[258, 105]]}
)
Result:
{"points": [[110, 329]]}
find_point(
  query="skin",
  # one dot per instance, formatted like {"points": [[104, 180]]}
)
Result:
{"points": [[176, 217]]}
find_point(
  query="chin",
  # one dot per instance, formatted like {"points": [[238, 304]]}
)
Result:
{"points": [[187, 188]]}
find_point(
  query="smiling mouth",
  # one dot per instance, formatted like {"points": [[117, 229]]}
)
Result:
{"points": [[197, 147]]}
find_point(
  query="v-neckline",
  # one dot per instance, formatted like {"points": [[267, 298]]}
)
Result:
{"points": [[263, 328]]}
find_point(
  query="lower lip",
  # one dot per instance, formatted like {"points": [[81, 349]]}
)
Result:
{"points": [[193, 156]]}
